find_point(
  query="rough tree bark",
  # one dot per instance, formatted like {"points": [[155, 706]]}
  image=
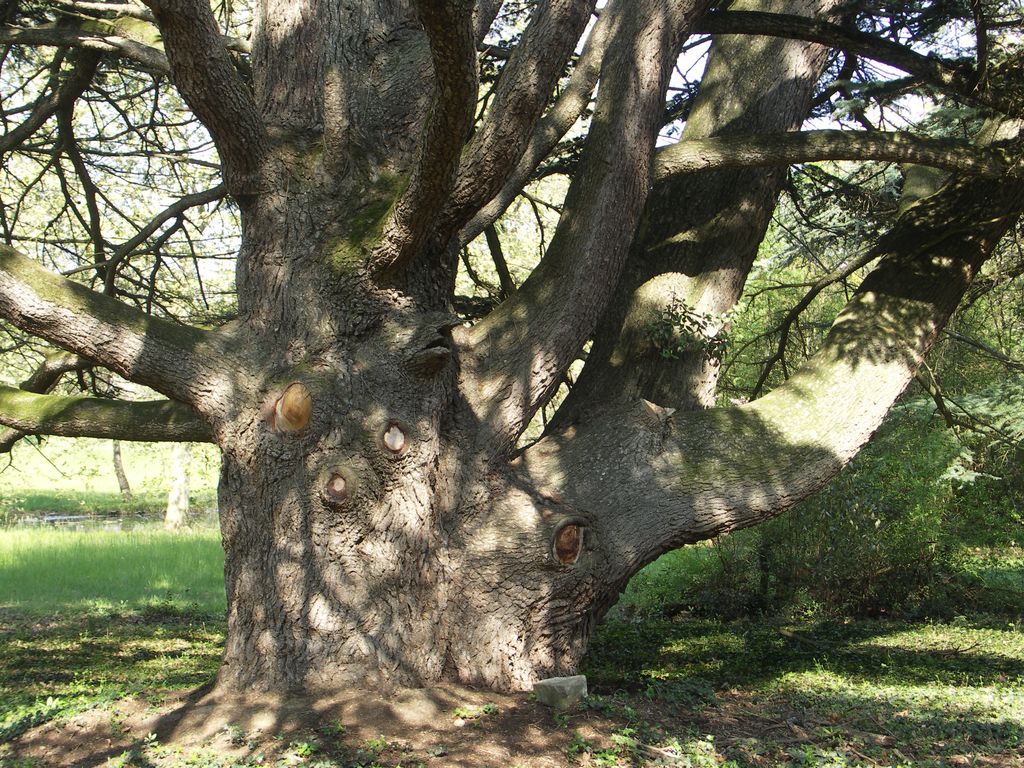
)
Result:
{"points": [[378, 522]]}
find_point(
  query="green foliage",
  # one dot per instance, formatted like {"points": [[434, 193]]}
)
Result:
{"points": [[887, 536], [304, 748], [878, 540], [680, 329], [665, 584]]}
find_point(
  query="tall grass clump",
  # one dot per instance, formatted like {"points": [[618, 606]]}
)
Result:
{"points": [[45, 571]]}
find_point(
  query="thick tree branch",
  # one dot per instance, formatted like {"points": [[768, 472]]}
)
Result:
{"points": [[700, 233], [691, 155], [206, 77], [114, 14], [449, 27], [718, 470], [929, 68], [42, 381], [572, 102], [519, 353], [170, 358], [484, 14], [522, 92], [148, 57], [156, 421]]}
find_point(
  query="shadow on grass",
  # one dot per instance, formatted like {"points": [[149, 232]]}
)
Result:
{"points": [[930, 692], [826, 693], [632, 656], [58, 666]]}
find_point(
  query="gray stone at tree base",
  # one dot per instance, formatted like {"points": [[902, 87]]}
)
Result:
{"points": [[561, 692]]}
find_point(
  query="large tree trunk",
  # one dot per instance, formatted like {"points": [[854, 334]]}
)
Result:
{"points": [[376, 543], [437, 571], [387, 539]]}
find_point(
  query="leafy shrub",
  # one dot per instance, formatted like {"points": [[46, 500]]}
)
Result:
{"points": [[883, 537]]}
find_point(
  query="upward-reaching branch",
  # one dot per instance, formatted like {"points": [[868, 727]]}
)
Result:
{"points": [[519, 353], [204, 74], [523, 90], [483, 17], [712, 471], [700, 232], [449, 27], [571, 103]]}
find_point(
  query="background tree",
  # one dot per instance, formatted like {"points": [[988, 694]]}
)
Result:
{"points": [[381, 518]]}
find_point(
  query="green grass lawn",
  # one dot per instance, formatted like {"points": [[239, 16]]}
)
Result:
{"points": [[47, 571], [935, 690]]}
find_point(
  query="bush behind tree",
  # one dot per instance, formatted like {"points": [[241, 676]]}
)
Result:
{"points": [[899, 532]]}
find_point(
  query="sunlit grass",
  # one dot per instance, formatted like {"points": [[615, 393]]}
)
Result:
{"points": [[46, 571], [933, 690], [68, 476]]}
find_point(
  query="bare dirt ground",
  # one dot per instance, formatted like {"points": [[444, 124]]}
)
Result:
{"points": [[408, 728], [449, 726]]}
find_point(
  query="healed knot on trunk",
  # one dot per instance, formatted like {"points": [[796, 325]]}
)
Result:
{"points": [[568, 543], [394, 439], [344, 486], [336, 488], [293, 408]]}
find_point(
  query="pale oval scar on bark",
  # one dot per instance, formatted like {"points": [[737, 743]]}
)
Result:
{"points": [[293, 408], [336, 488], [394, 439]]}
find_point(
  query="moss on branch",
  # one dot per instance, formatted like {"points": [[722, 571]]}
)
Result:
{"points": [[59, 292], [151, 421]]}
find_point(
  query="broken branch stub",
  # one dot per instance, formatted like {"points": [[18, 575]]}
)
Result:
{"points": [[293, 408], [568, 543], [394, 439], [336, 488], [429, 360]]}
